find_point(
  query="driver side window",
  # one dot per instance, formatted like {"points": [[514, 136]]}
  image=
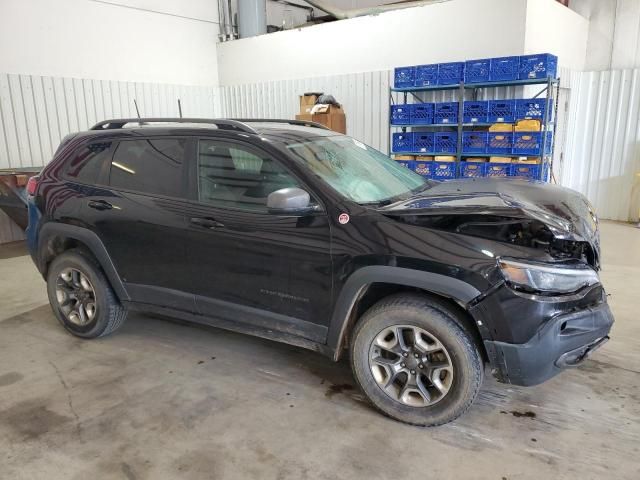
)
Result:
{"points": [[237, 176]]}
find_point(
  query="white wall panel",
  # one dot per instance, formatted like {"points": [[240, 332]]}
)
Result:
{"points": [[603, 144], [36, 112]]}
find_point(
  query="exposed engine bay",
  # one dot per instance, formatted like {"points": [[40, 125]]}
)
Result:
{"points": [[526, 232]]}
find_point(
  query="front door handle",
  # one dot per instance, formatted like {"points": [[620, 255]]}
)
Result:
{"points": [[100, 205], [206, 222]]}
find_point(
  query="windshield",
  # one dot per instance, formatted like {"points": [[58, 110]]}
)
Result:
{"points": [[357, 171]]}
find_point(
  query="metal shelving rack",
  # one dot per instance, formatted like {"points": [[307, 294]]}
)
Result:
{"points": [[548, 123]]}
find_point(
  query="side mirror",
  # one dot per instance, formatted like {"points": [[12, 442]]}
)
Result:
{"points": [[289, 200]]}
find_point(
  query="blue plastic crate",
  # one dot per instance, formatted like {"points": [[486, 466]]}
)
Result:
{"points": [[404, 77], [496, 169], [502, 111], [445, 112], [445, 142], [477, 71], [402, 142], [525, 171], [423, 142], [530, 143], [474, 142], [476, 112], [400, 114], [422, 113], [444, 170], [423, 168], [499, 142], [541, 65], [450, 73], [406, 163], [471, 169], [504, 69], [531, 108], [426, 75]]}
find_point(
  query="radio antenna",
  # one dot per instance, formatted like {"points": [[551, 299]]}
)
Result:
{"points": [[179, 108], [136, 105]]}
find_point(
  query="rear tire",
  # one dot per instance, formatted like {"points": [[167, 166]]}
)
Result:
{"points": [[429, 381], [81, 297]]}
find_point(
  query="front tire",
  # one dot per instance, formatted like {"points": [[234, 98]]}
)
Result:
{"points": [[415, 361], [81, 297]]}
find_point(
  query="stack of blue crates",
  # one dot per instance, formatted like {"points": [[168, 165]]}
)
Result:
{"points": [[501, 69]]}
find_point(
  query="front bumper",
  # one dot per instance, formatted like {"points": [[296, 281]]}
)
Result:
{"points": [[564, 341]]}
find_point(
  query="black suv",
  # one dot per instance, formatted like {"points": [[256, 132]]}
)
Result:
{"points": [[289, 231]]}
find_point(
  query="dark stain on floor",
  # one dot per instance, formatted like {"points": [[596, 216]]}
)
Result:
{"points": [[335, 389], [515, 413], [10, 378], [31, 419]]}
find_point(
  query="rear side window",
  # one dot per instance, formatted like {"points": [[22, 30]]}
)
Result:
{"points": [[149, 166], [85, 165]]}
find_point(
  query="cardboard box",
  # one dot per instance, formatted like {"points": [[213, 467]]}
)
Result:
{"points": [[528, 126], [445, 158], [526, 161], [404, 157], [333, 118], [424, 158], [500, 160], [501, 127], [307, 101], [476, 160]]}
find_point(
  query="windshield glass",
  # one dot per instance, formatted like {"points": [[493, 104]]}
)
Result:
{"points": [[357, 171]]}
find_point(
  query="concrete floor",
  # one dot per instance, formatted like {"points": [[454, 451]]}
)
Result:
{"points": [[164, 400]]}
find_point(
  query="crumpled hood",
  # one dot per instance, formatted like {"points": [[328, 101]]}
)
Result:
{"points": [[567, 213]]}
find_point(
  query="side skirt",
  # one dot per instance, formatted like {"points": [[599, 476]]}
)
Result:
{"points": [[234, 326]]}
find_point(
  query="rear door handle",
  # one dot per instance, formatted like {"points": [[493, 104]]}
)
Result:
{"points": [[100, 205], [206, 222]]}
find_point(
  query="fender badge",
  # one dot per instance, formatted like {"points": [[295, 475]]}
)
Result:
{"points": [[343, 218]]}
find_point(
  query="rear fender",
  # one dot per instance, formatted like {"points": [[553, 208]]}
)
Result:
{"points": [[86, 237]]}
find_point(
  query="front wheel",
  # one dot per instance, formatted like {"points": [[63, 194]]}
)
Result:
{"points": [[414, 361]]}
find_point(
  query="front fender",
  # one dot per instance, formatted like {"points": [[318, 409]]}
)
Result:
{"points": [[355, 286]]}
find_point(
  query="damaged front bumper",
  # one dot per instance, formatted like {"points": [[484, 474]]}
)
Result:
{"points": [[568, 331]]}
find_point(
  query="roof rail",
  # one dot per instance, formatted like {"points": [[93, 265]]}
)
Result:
{"points": [[302, 123], [223, 124]]}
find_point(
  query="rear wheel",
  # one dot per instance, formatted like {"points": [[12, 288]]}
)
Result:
{"points": [[81, 297], [414, 360]]}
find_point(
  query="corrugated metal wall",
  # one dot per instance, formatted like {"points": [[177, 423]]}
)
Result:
{"points": [[36, 112], [602, 154]]}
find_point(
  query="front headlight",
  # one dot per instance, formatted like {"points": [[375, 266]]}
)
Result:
{"points": [[547, 278]]}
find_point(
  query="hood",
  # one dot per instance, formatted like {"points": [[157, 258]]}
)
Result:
{"points": [[567, 214]]}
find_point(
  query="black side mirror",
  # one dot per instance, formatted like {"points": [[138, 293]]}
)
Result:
{"points": [[289, 201]]}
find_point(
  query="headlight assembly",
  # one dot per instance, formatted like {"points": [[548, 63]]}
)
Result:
{"points": [[547, 278]]}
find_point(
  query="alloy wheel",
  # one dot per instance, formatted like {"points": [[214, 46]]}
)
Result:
{"points": [[76, 297], [411, 365]]}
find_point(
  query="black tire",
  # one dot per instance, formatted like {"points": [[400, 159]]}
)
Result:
{"points": [[109, 312], [437, 319]]}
